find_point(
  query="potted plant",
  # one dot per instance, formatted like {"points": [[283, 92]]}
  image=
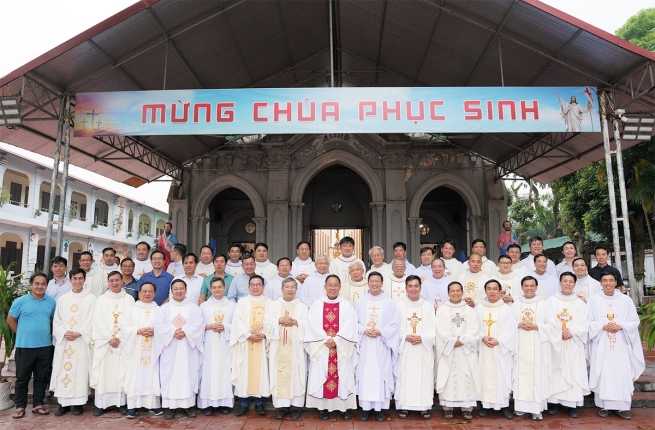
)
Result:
{"points": [[4, 196], [647, 326], [94, 225], [11, 287], [37, 213]]}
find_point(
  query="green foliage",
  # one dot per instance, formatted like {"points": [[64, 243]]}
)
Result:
{"points": [[11, 287], [640, 29], [532, 216], [647, 326]]}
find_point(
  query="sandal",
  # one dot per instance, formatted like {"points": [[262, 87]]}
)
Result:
{"points": [[426, 415], [402, 414], [467, 415], [448, 415], [40, 410], [20, 413]]}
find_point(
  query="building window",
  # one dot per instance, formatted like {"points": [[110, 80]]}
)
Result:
{"points": [[15, 193], [101, 213], [45, 202]]}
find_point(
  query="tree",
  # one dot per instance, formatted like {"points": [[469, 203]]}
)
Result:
{"points": [[532, 214], [640, 29]]}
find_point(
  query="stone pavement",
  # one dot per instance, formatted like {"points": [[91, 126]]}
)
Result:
{"points": [[641, 419]]}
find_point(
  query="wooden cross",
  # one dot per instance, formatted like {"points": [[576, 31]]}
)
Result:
{"points": [[489, 322], [413, 322], [83, 122], [93, 115], [98, 124], [457, 320]]}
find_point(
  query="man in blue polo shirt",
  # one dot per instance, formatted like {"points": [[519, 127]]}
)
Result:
{"points": [[30, 317], [159, 277]]}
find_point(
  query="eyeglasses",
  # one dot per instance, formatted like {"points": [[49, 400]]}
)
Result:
{"points": [[157, 259], [255, 285]]}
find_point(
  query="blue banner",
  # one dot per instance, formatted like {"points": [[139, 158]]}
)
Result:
{"points": [[342, 110]]}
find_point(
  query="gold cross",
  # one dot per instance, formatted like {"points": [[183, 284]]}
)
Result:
{"points": [[413, 322], [373, 317], [564, 317], [147, 312], [610, 316], [398, 291], [69, 351], [489, 322]]}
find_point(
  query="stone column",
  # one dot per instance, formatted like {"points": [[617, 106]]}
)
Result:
{"points": [[414, 239], [260, 231], [295, 233], [198, 227], [377, 223]]}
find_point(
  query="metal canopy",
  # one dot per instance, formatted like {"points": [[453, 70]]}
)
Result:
{"points": [[169, 44]]}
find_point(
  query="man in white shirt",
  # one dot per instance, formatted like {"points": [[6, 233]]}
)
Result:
{"points": [[177, 253], [400, 251], [376, 255], [585, 285], [142, 264], [479, 246], [314, 286], [548, 281], [569, 251], [514, 252], [473, 280], [273, 288], [302, 266], [264, 267], [234, 262], [425, 269], [205, 266], [536, 248], [454, 267], [193, 282], [339, 266]]}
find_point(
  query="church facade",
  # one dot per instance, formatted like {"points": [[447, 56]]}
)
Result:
{"points": [[278, 189]]}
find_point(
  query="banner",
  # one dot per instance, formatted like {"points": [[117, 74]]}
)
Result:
{"points": [[343, 110]]}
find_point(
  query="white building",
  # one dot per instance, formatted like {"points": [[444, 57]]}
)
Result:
{"points": [[96, 216]]}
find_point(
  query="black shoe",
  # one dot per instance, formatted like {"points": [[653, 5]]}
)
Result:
{"points": [[295, 414], [192, 412], [553, 408], [324, 415], [130, 414], [259, 409], [603, 413], [122, 410], [573, 413], [224, 410], [77, 410], [208, 411], [484, 412], [97, 412], [506, 413], [62, 410], [241, 410], [347, 416], [169, 414], [364, 416], [281, 413], [379, 416]]}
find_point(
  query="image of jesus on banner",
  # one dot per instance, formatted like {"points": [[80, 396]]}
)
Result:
{"points": [[572, 113]]}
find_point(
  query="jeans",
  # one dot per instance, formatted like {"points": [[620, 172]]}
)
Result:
{"points": [[245, 401], [37, 361]]}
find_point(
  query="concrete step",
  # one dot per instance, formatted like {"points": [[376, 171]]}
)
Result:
{"points": [[645, 383]]}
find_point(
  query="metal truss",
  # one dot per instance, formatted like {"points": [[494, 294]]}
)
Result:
{"points": [[635, 86], [539, 147], [45, 104]]}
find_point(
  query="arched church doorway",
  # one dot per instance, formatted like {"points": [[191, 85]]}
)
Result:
{"points": [[444, 216], [337, 204], [231, 215]]}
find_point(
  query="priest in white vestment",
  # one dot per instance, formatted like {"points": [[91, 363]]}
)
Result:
{"points": [[425, 269], [585, 285], [273, 288], [434, 289], [569, 382], [537, 247], [141, 366], [205, 266], [233, 265], [253, 326], [339, 266], [331, 345], [414, 367], [616, 356], [540, 340], [71, 335], [93, 281], [548, 281], [108, 263], [355, 285], [302, 265], [458, 335], [263, 266], [179, 331], [376, 255], [142, 264], [394, 280], [479, 246], [215, 392], [473, 280], [514, 252], [287, 358], [454, 267], [314, 286], [509, 279], [498, 344], [377, 321], [400, 251], [107, 366]]}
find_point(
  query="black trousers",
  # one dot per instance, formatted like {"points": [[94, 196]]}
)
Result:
{"points": [[37, 361]]}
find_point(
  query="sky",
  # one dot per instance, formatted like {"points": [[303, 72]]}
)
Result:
{"points": [[51, 23]]}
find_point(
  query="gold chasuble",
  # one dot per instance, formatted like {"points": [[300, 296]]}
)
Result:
{"points": [[257, 310]]}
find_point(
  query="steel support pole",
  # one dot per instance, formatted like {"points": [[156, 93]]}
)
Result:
{"points": [[331, 46], [53, 187], [604, 112], [635, 292], [64, 176]]}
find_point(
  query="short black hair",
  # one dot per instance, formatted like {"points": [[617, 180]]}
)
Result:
{"points": [[143, 243], [601, 247], [304, 242], [216, 279], [177, 281], [169, 223], [77, 271], [412, 278], [452, 243], [208, 247], [86, 253], [535, 239], [283, 258], [180, 248], [114, 273], [247, 256], [567, 274], [332, 276], [529, 278], [455, 283], [347, 239], [126, 259], [540, 255], [399, 244], [612, 274], [36, 275], [513, 245], [568, 242], [491, 281], [190, 255], [504, 256], [156, 251], [58, 259], [235, 245], [374, 273], [256, 276], [579, 258], [478, 241], [258, 244], [426, 249], [220, 255], [109, 248], [154, 287]]}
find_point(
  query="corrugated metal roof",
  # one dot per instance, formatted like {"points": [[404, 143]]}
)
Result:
{"points": [[281, 43]]}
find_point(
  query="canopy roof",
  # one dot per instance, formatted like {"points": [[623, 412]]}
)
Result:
{"points": [[170, 44]]}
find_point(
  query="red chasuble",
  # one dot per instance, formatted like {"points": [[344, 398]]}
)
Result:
{"points": [[331, 327]]}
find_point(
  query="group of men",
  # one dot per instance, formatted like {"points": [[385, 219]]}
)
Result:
{"points": [[327, 334]]}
